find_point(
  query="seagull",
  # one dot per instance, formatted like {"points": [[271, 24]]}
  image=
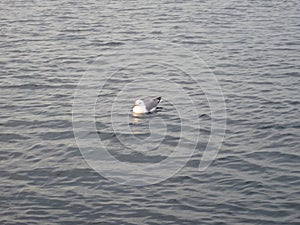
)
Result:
{"points": [[147, 106]]}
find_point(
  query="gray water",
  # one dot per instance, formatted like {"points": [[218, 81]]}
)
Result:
{"points": [[251, 47]]}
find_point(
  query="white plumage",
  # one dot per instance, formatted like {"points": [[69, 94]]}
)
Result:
{"points": [[146, 106]]}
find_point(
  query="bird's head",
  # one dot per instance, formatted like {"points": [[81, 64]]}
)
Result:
{"points": [[138, 103]]}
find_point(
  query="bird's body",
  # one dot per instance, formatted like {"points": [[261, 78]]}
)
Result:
{"points": [[146, 106]]}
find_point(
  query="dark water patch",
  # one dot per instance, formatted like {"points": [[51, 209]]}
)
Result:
{"points": [[108, 44], [11, 137], [138, 157], [54, 135]]}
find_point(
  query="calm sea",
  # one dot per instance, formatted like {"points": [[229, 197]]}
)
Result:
{"points": [[222, 67]]}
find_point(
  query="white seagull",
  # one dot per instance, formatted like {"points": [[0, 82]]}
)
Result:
{"points": [[147, 106]]}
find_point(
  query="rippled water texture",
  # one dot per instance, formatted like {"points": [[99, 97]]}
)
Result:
{"points": [[252, 48]]}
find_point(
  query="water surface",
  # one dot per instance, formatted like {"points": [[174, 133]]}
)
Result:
{"points": [[252, 47]]}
